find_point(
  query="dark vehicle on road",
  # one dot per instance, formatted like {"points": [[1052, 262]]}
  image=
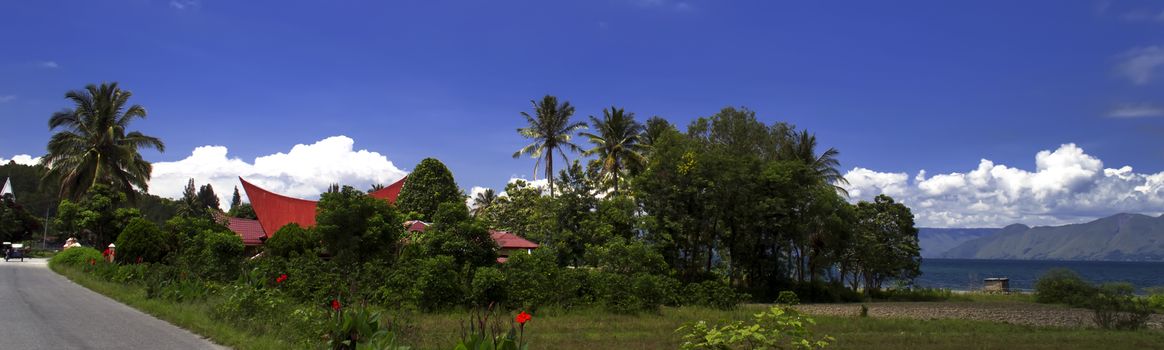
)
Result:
{"points": [[13, 251]]}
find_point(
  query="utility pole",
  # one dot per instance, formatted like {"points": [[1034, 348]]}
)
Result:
{"points": [[44, 240]]}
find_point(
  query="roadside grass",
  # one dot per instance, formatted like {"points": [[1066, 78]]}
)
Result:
{"points": [[595, 329], [193, 316]]}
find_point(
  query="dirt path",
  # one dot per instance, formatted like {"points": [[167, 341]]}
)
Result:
{"points": [[1007, 312]]}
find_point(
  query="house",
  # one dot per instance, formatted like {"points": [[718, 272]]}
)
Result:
{"points": [[275, 210]]}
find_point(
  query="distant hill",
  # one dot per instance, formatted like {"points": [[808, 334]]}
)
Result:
{"points": [[1121, 237], [936, 241]]}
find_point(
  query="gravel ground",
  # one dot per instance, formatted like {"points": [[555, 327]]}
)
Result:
{"points": [[1006, 312]]}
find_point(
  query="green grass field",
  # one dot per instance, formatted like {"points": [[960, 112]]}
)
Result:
{"points": [[594, 329]]}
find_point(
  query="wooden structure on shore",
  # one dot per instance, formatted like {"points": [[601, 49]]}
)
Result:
{"points": [[996, 285]]}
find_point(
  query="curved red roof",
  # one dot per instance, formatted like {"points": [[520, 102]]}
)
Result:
{"points": [[391, 192], [275, 210]]}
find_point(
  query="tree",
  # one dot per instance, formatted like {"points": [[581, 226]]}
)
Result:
{"points": [[375, 187], [16, 224], [141, 239], [483, 201], [429, 185], [550, 129], [191, 204], [95, 146], [207, 198], [886, 244], [825, 166], [616, 143], [98, 218], [456, 234], [243, 211], [356, 228], [235, 199]]}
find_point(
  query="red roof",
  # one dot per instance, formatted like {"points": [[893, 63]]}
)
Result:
{"points": [[275, 210], [415, 226], [506, 240], [391, 192], [249, 230]]}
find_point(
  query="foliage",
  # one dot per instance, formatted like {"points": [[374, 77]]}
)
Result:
{"points": [[485, 333], [628, 257], [95, 145], [98, 218], [536, 279], [550, 130], [360, 328], [787, 297], [141, 241], [244, 210], [356, 228], [213, 255], [712, 294], [616, 144], [207, 197], [886, 246], [488, 287], [429, 185], [292, 240], [1063, 286], [777, 328], [1115, 307], [16, 224], [76, 256]]}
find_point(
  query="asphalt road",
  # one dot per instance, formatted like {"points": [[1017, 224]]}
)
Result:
{"points": [[39, 309]]}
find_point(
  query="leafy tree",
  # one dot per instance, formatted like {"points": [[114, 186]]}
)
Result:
{"points": [[454, 233], [290, 241], [525, 211], [887, 243], [616, 143], [550, 129], [244, 211], [429, 185], [356, 228], [95, 146], [825, 166], [375, 187], [16, 224], [36, 193], [98, 218], [190, 204]]}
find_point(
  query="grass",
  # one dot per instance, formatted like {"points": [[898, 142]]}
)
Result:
{"points": [[592, 329], [596, 329], [193, 316]]}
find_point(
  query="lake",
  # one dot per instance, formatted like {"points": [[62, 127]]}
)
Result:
{"points": [[967, 274]]}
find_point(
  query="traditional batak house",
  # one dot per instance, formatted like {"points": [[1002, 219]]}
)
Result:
{"points": [[275, 210]]}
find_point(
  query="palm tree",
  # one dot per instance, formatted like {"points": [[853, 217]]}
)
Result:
{"points": [[94, 147], [483, 201], [617, 143], [550, 129], [824, 167]]}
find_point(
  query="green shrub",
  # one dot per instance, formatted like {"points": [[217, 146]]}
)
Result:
{"points": [[713, 294], [212, 255], [534, 279], [1115, 307], [1156, 297], [440, 283], [141, 241], [76, 256], [787, 297], [778, 328], [291, 240], [488, 287], [1063, 286]]}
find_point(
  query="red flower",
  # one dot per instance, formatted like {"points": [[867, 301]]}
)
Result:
{"points": [[335, 304], [522, 318], [281, 278]]}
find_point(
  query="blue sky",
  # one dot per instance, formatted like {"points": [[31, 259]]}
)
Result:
{"points": [[897, 88]]}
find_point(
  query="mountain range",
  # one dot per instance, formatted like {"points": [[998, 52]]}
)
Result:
{"points": [[1121, 237]]}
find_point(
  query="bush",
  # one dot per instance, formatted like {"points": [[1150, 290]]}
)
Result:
{"points": [[488, 287], [1063, 286], [76, 256], [787, 297], [775, 329], [291, 240], [1115, 307], [212, 255], [535, 277], [713, 294], [141, 241], [439, 283]]}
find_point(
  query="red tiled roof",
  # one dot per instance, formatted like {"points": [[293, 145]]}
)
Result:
{"points": [[249, 230], [275, 210], [415, 226], [506, 240]]}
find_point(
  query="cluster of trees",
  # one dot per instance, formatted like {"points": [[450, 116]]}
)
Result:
{"points": [[731, 198]]}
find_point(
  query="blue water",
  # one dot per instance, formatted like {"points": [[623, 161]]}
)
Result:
{"points": [[967, 274]]}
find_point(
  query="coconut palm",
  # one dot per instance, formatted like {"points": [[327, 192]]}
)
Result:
{"points": [[483, 201], [617, 143], [95, 146], [550, 129], [824, 167]]}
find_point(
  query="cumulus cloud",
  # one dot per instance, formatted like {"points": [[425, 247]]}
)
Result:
{"points": [[303, 172], [1067, 186], [1136, 111], [22, 159], [1140, 64]]}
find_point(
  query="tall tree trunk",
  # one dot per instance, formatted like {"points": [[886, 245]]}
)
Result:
{"points": [[550, 170]]}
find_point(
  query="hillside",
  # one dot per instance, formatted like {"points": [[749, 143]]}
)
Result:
{"points": [[1121, 237], [936, 241]]}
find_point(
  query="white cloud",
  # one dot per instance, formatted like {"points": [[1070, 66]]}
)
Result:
{"points": [[7, 98], [22, 159], [48, 64], [1140, 63], [473, 194], [303, 172], [1067, 186], [1136, 111]]}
